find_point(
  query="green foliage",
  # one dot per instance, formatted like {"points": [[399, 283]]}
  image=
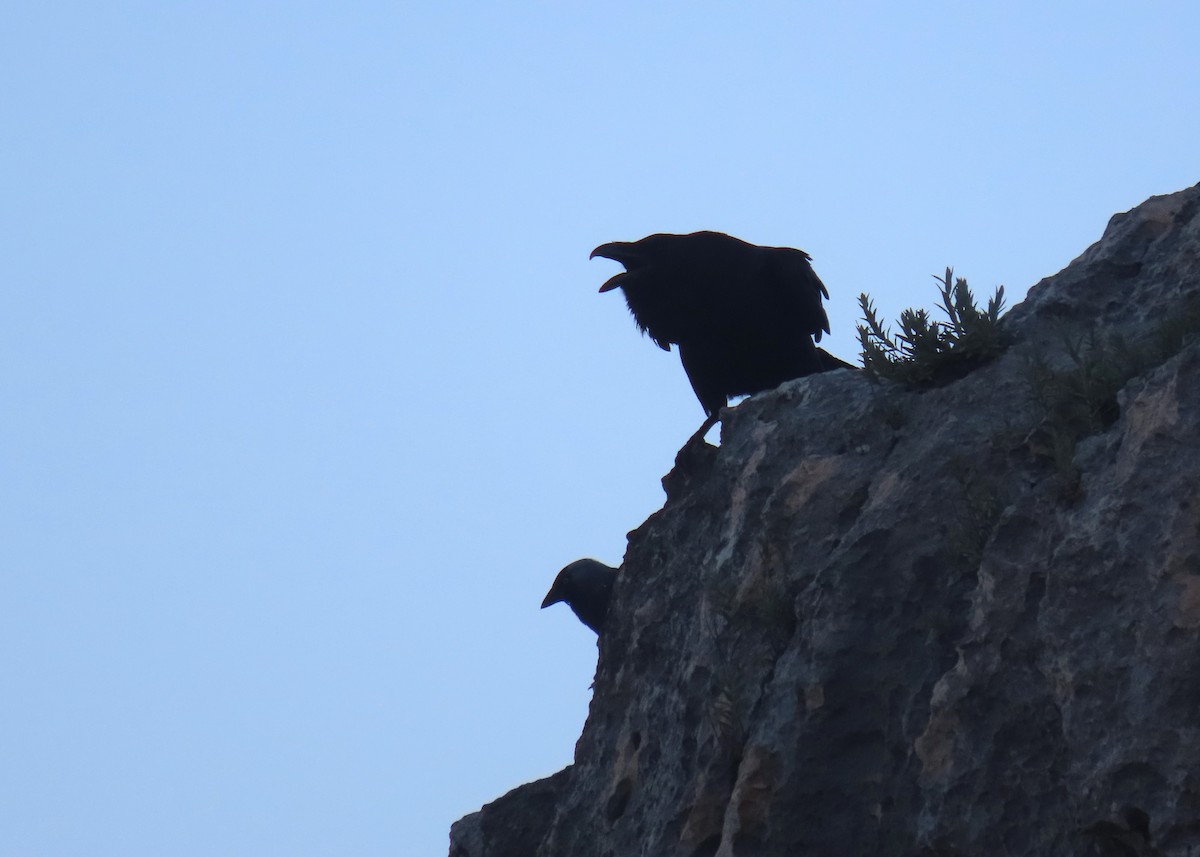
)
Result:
{"points": [[928, 353], [1179, 329], [973, 515], [1078, 401], [1081, 399], [723, 717]]}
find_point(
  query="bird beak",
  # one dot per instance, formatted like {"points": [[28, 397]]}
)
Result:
{"points": [[618, 251], [552, 597], [614, 281]]}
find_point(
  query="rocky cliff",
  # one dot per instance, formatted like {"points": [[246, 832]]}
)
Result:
{"points": [[956, 621]]}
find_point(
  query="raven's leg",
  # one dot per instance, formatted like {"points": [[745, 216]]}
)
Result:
{"points": [[708, 423]]}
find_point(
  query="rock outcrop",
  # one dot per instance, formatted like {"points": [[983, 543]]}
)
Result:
{"points": [[958, 621]]}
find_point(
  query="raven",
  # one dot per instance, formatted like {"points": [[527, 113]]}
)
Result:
{"points": [[744, 317], [586, 587]]}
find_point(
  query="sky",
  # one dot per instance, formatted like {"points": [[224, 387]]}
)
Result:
{"points": [[307, 393]]}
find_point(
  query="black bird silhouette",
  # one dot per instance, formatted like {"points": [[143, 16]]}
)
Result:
{"points": [[744, 317], [586, 587]]}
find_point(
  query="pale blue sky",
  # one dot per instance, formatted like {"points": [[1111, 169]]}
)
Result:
{"points": [[308, 392]]}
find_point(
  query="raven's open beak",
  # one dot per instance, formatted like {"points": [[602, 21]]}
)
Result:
{"points": [[618, 251]]}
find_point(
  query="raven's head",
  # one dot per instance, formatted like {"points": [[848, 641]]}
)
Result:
{"points": [[647, 264], [627, 253], [586, 587]]}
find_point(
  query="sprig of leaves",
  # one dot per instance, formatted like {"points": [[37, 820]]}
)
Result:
{"points": [[927, 353]]}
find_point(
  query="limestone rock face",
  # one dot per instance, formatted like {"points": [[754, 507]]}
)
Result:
{"points": [[885, 622]]}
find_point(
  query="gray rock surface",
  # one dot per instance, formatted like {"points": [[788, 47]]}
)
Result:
{"points": [[885, 622]]}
